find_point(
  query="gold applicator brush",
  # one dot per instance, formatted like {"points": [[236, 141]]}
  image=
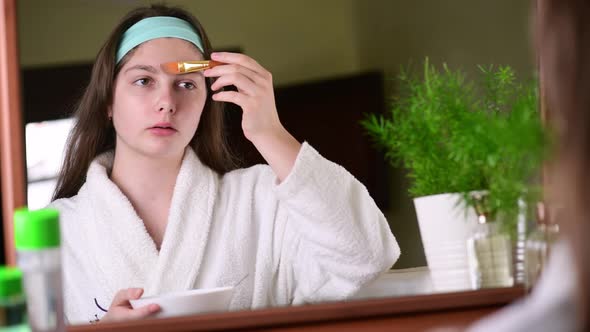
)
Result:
{"points": [[184, 67]]}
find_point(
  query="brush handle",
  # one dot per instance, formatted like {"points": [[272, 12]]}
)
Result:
{"points": [[213, 63], [193, 66]]}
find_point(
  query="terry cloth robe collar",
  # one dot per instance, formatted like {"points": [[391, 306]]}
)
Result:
{"points": [[123, 245]]}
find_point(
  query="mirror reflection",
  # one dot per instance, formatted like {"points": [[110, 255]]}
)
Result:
{"points": [[145, 202]]}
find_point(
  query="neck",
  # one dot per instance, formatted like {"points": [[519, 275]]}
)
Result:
{"points": [[143, 179]]}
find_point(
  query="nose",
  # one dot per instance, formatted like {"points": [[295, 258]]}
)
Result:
{"points": [[167, 108], [166, 101]]}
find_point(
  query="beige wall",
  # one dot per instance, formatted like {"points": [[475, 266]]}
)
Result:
{"points": [[305, 39], [296, 40], [459, 32], [310, 39]]}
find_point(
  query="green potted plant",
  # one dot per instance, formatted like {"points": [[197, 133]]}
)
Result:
{"points": [[457, 137]]}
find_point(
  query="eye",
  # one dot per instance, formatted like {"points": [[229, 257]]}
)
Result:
{"points": [[142, 81], [188, 85]]}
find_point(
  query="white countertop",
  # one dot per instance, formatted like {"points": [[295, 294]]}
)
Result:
{"points": [[400, 282]]}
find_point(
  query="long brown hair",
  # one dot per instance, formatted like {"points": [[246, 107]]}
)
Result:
{"points": [[93, 132], [563, 37]]}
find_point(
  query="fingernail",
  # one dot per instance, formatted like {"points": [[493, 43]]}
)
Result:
{"points": [[216, 55], [154, 307]]}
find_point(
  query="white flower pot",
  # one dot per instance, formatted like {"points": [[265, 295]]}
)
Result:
{"points": [[445, 225]]}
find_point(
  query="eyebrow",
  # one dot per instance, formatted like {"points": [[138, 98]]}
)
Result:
{"points": [[151, 69]]}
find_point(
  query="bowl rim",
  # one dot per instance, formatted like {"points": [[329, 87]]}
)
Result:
{"points": [[185, 293]]}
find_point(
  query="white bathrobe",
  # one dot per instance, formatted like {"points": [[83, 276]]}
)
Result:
{"points": [[317, 236]]}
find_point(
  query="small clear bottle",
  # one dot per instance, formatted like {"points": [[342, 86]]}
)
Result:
{"points": [[538, 246], [522, 225], [489, 253], [13, 310], [37, 240]]}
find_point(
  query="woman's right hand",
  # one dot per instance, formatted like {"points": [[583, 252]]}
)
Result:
{"points": [[121, 310]]}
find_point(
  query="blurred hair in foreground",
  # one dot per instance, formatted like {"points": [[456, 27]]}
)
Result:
{"points": [[563, 43]]}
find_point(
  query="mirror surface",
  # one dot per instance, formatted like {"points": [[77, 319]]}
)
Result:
{"points": [[345, 51]]}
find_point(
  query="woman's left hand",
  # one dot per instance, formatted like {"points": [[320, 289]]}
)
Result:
{"points": [[255, 93]]}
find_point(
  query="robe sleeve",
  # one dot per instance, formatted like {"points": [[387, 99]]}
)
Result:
{"points": [[335, 239]]}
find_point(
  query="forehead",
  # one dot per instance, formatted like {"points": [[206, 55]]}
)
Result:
{"points": [[161, 50]]}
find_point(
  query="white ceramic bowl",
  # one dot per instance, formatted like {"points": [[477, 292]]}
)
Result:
{"points": [[188, 302]]}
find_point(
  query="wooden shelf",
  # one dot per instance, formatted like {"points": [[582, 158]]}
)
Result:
{"points": [[408, 312]]}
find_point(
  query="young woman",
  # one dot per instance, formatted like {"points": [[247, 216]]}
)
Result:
{"points": [[150, 201]]}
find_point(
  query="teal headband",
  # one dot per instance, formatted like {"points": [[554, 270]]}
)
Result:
{"points": [[157, 27]]}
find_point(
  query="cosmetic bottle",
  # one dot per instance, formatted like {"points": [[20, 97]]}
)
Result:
{"points": [[538, 246], [13, 310], [37, 241]]}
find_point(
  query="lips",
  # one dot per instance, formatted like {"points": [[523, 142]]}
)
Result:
{"points": [[163, 125], [163, 129]]}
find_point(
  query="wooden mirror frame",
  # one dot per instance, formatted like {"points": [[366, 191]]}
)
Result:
{"points": [[12, 164], [408, 312]]}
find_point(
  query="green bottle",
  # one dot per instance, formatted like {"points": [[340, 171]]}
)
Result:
{"points": [[13, 310], [37, 240]]}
